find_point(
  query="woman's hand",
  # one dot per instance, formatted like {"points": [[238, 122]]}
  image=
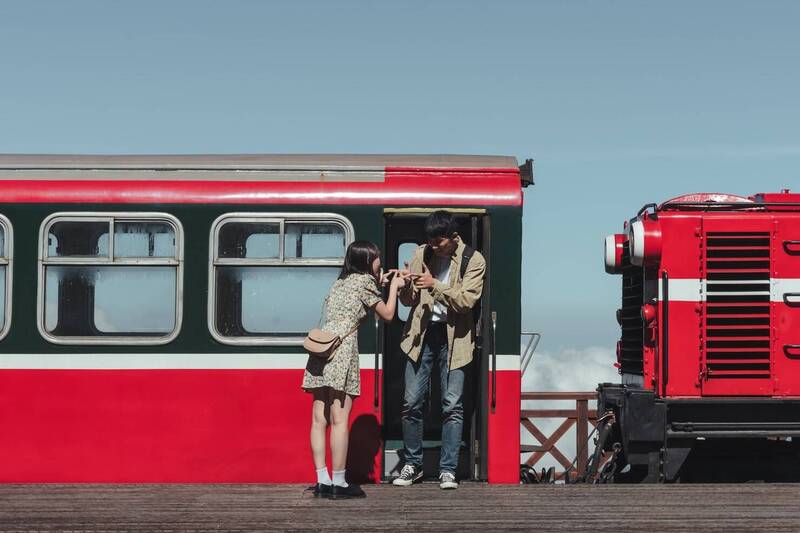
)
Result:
{"points": [[399, 280], [386, 276]]}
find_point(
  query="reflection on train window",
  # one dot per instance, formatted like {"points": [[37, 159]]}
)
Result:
{"points": [[5, 275], [405, 253], [270, 274], [100, 290]]}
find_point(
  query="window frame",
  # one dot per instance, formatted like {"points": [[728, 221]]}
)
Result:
{"points": [[44, 260], [7, 259], [281, 218]]}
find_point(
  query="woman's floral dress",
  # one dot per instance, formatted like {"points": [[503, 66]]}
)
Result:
{"points": [[347, 304]]}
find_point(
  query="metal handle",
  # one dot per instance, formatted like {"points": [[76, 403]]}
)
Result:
{"points": [[494, 360], [791, 303], [787, 349], [787, 247], [530, 348], [377, 384]]}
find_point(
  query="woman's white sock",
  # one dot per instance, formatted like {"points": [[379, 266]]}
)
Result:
{"points": [[323, 478], [338, 478]]}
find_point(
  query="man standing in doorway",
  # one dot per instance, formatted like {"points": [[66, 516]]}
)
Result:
{"points": [[445, 284]]}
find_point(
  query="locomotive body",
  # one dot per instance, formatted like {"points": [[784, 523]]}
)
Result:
{"points": [[710, 347]]}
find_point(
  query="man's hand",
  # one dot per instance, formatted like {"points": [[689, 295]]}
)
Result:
{"points": [[424, 280]]}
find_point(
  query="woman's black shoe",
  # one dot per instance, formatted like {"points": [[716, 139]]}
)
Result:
{"points": [[321, 491], [343, 493]]}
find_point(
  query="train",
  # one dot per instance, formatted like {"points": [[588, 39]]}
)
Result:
{"points": [[709, 353], [152, 312]]}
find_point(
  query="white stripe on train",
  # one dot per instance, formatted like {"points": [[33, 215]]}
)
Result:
{"points": [[186, 361], [695, 290]]}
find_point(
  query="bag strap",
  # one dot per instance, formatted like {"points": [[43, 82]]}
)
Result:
{"points": [[466, 255]]}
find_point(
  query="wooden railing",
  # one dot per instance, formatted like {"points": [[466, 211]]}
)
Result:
{"points": [[580, 417]]}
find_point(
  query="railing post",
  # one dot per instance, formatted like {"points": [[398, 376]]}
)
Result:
{"points": [[582, 435]]}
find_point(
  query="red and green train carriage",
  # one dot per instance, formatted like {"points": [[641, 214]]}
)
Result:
{"points": [[153, 308]]}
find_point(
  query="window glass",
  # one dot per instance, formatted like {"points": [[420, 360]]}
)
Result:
{"points": [[113, 300], [314, 240], [144, 239], [257, 240], [265, 301], [78, 239], [405, 253]]}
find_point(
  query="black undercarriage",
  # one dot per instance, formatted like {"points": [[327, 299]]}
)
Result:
{"points": [[699, 439]]}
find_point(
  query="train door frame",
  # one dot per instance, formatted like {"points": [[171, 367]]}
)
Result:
{"points": [[479, 236]]}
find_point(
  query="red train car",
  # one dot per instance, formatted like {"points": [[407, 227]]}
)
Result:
{"points": [[710, 347], [152, 310]]}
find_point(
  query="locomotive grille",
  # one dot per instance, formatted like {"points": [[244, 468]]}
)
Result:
{"points": [[737, 317], [630, 318]]}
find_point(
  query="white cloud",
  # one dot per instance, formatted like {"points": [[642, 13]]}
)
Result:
{"points": [[570, 369]]}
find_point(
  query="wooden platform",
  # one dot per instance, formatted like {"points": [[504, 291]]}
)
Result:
{"points": [[386, 508]]}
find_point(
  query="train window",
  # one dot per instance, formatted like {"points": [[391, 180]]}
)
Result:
{"points": [[317, 240], [254, 240], [270, 273], [6, 245], [103, 278], [405, 253], [144, 239], [78, 238]]}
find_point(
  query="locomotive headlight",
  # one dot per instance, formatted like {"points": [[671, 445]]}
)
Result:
{"points": [[613, 253], [645, 242], [648, 313]]}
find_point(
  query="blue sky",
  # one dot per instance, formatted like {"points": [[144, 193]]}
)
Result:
{"points": [[620, 103]]}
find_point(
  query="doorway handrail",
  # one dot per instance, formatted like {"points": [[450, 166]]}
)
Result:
{"points": [[530, 348]]}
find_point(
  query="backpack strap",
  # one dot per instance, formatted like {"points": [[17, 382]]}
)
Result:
{"points": [[466, 255]]}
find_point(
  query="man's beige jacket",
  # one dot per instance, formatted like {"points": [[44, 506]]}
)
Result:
{"points": [[459, 298]]}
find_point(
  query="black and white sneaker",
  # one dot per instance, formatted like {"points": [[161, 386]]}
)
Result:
{"points": [[447, 480], [409, 475]]}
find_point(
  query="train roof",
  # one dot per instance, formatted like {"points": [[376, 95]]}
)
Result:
{"points": [[465, 180], [22, 162]]}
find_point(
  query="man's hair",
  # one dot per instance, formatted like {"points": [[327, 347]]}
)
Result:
{"points": [[440, 224], [358, 258]]}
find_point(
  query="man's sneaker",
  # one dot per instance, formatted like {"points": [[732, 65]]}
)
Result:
{"points": [[409, 475], [447, 481]]}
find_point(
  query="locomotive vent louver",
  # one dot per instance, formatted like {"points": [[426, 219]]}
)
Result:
{"points": [[737, 311], [631, 357]]}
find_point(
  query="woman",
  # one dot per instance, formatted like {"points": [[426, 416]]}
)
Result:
{"points": [[336, 382]]}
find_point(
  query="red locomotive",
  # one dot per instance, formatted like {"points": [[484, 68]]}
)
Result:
{"points": [[710, 347]]}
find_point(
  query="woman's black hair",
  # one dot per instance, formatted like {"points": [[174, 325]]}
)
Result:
{"points": [[440, 224], [359, 258]]}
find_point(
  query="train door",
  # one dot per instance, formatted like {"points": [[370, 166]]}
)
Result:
{"points": [[786, 305], [404, 233]]}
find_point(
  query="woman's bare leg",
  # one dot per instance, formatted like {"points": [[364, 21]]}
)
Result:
{"points": [[319, 424], [340, 415]]}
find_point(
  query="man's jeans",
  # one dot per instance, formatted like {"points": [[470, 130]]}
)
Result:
{"points": [[418, 375]]}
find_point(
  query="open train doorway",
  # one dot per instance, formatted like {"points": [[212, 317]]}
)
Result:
{"points": [[404, 232]]}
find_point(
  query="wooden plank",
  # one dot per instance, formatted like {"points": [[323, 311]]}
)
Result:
{"points": [[421, 508], [559, 396], [548, 413]]}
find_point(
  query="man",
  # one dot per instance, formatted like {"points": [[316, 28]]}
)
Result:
{"points": [[445, 283]]}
